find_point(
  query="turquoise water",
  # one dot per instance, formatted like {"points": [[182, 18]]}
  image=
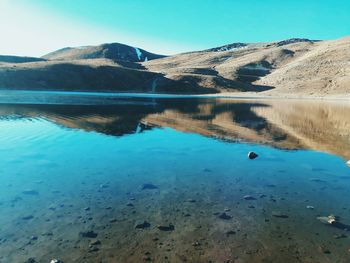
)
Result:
{"points": [[66, 170]]}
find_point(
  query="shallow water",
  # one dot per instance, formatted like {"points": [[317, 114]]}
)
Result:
{"points": [[69, 169]]}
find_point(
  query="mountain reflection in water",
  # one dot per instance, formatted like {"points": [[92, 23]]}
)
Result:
{"points": [[287, 124]]}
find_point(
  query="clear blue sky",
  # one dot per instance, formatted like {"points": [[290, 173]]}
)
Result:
{"points": [[181, 25]]}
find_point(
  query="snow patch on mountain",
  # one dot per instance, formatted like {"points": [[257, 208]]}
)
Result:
{"points": [[138, 53]]}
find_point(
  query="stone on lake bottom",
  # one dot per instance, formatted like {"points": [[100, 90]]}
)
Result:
{"points": [[27, 217], [249, 197], [88, 234], [327, 219], [148, 187], [142, 225], [230, 232], [279, 215], [225, 216], [30, 192], [169, 227]]}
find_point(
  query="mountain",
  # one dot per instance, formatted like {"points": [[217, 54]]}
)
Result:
{"points": [[289, 68], [88, 75], [17, 59], [294, 67], [113, 51]]}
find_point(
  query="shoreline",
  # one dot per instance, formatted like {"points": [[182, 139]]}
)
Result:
{"points": [[229, 95]]}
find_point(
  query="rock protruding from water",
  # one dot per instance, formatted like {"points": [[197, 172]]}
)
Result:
{"points": [[56, 261], [252, 155], [142, 224], [348, 163]]}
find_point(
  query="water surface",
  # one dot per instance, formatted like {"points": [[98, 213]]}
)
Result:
{"points": [[70, 169]]}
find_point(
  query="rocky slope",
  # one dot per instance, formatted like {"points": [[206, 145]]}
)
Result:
{"points": [[293, 67], [290, 67]]}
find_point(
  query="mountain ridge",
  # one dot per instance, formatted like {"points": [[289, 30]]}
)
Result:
{"points": [[114, 51], [295, 66]]}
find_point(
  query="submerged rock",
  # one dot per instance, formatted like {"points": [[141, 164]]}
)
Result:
{"points": [[279, 215], [230, 232], [142, 224], [88, 234], [325, 250], [148, 187], [252, 155], [224, 216], [30, 260], [334, 222], [47, 234], [249, 197], [317, 180], [104, 185], [27, 217], [169, 227], [96, 242], [93, 249], [328, 220], [30, 192], [340, 236]]}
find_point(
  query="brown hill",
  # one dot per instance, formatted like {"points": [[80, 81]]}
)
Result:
{"points": [[290, 67], [293, 67], [89, 75], [113, 51]]}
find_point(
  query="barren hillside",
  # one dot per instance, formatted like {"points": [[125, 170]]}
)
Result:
{"points": [[293, 67]]}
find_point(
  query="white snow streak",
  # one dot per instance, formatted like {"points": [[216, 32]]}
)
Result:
{"points": [[138, 53]]}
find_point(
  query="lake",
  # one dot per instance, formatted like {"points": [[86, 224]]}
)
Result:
{"points": [[120, 179]]}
